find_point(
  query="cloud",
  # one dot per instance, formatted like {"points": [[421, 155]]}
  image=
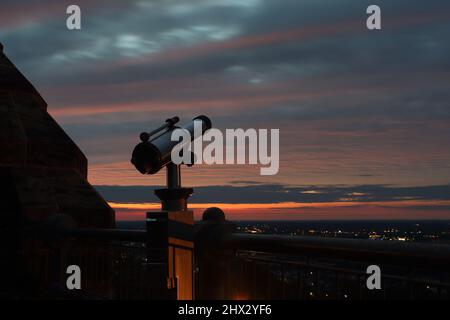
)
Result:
{"points": [[277, 193], [353, 106], [277, 202]]}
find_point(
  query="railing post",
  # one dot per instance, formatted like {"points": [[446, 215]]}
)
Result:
{"points": [[210, 257], [170, 245]]}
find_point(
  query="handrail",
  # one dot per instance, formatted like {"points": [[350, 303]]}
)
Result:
{"points": [[106, 234], [57, 226], [436, 256]]}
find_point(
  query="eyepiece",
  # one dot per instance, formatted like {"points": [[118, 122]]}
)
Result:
{"points": [[207, 124], [144, 136]]}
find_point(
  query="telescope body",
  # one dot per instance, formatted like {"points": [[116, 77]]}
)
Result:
{"points": [[154, 153]]}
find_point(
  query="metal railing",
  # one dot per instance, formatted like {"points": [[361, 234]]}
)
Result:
{"points": [[117, 264], [114, 263], [248, 266]]}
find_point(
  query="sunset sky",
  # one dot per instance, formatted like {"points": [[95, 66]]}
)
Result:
{"points": [[364, 116]]}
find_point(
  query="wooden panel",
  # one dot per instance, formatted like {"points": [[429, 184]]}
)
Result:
{"points": [[181, 243], [184, 273]]}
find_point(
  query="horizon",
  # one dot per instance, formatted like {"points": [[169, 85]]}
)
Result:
{"points": [[324, 221]]}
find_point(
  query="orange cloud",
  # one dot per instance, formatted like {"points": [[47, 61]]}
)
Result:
{"points": [[409, 209], [263, 96]]}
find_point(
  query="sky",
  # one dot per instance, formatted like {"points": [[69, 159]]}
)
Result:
{"points": [[364, 116]]}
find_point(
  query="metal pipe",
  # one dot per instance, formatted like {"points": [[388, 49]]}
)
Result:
{"points": [[145, 136], [106, 234], [173, 176]]}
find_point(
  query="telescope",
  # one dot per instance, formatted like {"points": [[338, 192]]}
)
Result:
{"points": [[154, 153]]}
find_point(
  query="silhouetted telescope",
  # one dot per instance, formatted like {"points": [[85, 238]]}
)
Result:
{"points": [[154, 153]]}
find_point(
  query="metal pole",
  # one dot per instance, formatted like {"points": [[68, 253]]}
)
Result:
{"points": [[173, 176]]}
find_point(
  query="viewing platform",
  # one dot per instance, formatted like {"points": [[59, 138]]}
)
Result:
{"points": [[120, 264]]}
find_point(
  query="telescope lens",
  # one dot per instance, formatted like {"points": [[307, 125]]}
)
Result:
{"points": [[145, 158]]}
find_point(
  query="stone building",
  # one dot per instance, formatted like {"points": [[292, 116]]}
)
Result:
{"points": [[42, 171]]}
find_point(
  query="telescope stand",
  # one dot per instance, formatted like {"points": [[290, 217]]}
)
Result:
{"points": [[170, 235], [174, 197]]}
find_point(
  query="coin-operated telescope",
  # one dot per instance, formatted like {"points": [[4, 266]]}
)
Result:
{"points": [[170, 231], [154, 153]]}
